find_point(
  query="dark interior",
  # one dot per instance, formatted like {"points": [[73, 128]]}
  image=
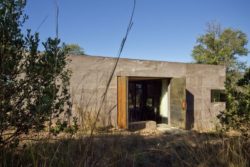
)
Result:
{"points": [[144, 100]]}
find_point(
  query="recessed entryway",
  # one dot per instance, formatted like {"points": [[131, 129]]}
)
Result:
{"points": [[142, 99], [148, 99]]}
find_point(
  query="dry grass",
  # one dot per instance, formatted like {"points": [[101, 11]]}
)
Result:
{"points": [[124, 149]]}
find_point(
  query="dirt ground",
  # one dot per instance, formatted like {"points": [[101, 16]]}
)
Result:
{"points": [[164, 146]]}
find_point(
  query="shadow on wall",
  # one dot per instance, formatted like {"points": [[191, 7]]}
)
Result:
{"points": [[190, 110]]}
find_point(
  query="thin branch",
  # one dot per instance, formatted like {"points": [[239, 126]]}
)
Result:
{"points": [[55, 68], [115, 65], [130, 24], [42, 22], [57, 17]]}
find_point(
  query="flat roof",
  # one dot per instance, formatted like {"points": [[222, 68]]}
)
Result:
{"points": [[144, 60]]}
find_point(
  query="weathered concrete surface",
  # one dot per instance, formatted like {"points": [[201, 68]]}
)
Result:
{"points": [[90, 76], [147, 125]]}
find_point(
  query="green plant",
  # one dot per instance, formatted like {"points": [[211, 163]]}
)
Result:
{"points": [[72, 129], [33, 85], [223, 47], [63, 126], [237, 115], [74, 49]]}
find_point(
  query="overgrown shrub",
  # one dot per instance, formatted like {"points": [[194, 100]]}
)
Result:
{"points": [[237, 115], [33, 85]]}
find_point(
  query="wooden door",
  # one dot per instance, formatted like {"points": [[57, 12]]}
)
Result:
{"points": [[122, 91], [178, 102]]}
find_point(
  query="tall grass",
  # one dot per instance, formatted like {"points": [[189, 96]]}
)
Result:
{"points": [[119, 149], [184, 149]]}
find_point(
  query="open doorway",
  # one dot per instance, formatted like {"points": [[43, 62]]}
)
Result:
{"points": [[141, 99], [148, 99]]}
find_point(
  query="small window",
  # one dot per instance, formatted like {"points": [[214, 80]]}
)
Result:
{"points": [[218, 95]]}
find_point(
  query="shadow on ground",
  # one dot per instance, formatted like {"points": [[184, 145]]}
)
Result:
{"points": [[185, 148]]}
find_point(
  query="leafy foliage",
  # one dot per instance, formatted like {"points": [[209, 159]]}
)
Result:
{"points": [[33, 85], [74, 49], [223, 47], [62, 126], [238, 107]]}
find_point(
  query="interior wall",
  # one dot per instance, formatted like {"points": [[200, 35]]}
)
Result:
{"points": [[164, 104]]}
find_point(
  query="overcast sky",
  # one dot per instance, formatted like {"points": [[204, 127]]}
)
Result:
{"points": [[163, 29]]}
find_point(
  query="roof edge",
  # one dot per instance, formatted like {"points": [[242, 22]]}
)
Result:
{"points": [[145, 60]]}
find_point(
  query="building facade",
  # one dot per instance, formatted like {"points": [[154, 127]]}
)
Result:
{"points": [[184, 95]]}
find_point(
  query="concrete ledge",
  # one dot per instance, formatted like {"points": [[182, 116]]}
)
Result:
{"points": [[148, 125]]}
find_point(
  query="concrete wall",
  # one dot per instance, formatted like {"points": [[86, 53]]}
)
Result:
{"points": [[164, 104], [90, 76]]}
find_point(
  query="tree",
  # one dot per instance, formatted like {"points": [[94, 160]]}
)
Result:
{"points": [[33, 85], [223, 47], [74, 49]]}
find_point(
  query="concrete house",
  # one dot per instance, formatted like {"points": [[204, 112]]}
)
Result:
{"points": [[182, 95]]}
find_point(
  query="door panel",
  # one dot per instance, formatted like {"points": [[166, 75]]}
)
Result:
{"points": [[178, 102], [122, 84]]}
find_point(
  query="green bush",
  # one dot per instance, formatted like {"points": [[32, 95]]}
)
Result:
{"points": [[237, 115], [34, 85]]}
